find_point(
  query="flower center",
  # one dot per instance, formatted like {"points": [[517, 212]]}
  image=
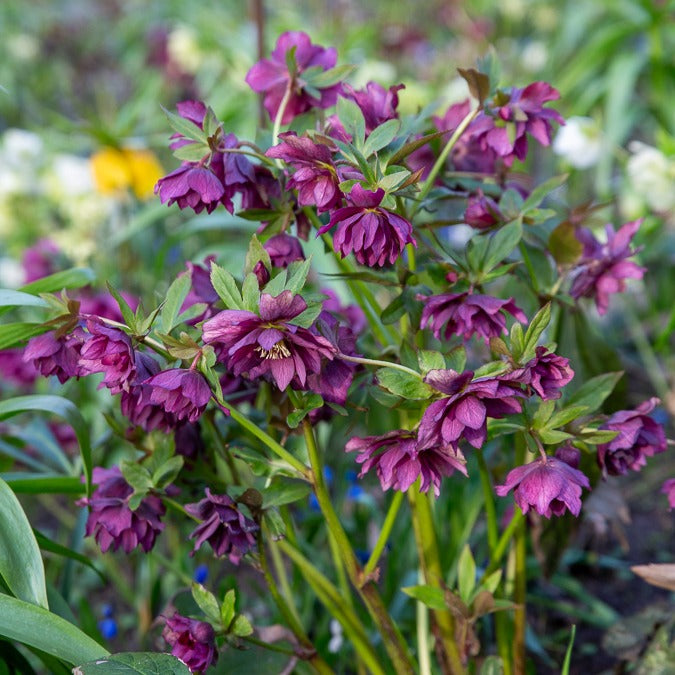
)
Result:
{"points": [[278, 351]]}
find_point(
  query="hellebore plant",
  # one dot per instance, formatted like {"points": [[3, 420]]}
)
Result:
{"points": [[451, 372]]}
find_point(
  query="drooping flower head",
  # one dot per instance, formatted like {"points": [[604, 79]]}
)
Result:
{"points": [[52, 355], [268, 343], [224, 526], [182, 393], [468, 313], [546, 374], [112, 523], [482, 212], [283, 249], [550, 486], [639, 437], [272, 77], [192, 641], [374, 234], [603, 268], [399, 461], [315, 176], [463, 411]]}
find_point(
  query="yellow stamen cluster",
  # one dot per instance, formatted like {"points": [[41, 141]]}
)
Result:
{"points": [[278, 351]]}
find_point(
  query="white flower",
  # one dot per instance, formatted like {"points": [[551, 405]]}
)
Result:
{"points": [[579, 142], [336, 637], [183, 48], [69, 176], [21, 148], [652, 175]]}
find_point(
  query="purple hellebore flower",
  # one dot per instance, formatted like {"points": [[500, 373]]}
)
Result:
{"points": [[399, 461], [51, 355], [225, 527], [14, 369], [112, 522], [38, 260], [268, 344], [549, 485], [465, 314], [353, 314], [271, 77], [283, 249], [375, 235], [183, 393], [603, 267], [192, 641], [546, 373], [188, 440], [639, 437], [201, 289], [522, 111], [315, 176], [463, 412], [668, 489], [482, 212], [108, 350], [192, 186]]}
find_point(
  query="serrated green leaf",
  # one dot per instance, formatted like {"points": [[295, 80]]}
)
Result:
{"points": [[192, 152], [241, 626], [431, 596], [185, 127], [501, 245], [297, 275], [275, 523], [136, 475], [404, 385], [175, 297], [553, 437], [566, 415], [134, 663], [277, 284], [393, 181], [466, 574], [207, 602], [537, 326], [538, 195], [226, 287], [21, 565], [380, 137], [543, 414], [250, 292], [256, 253], [307, 317], [594, 392], [456, 359], [430, 360], [596, 436], [167, 472]]}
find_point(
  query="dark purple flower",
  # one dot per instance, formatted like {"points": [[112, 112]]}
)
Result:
{"points": [[463, 412], [225, 527], [283, 249], [603, 267], [399, 461], [262, 191], [201, 290], [546, 373], [668, 489], [38, 260], [352, 314], [188, 440], [549, 485], [268, 344], [513, 115], [112, 522], [108, 350], [375, 235], [272, 77], [51, 355], [639, 437], [482, 212], [16, 370], [315, 177], [465, 314], [192, 186], [192, 641], [183, 393]]}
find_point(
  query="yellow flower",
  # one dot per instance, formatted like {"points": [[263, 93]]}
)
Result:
{"points": [[126, 169]]}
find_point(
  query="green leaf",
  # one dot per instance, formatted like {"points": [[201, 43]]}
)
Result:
{"points": [[411, 146], [502, 244], [175, 297], [35, 484], [327, 78], [568, 653], [39, 628], [125, 309], [192, 152], [185, 127], [553, 437], [430, 360], [594, 392], [136, 475], [307, 317], [492, 665], [595, 436], [352, 120], [563, 244], [537, 326], [404, 385], [47, 544], [276, 285], [13, 334], [242, 626], [57, 406], [226, 287], [543, 414], [466, 574], [297, 275], [431, 596], [250, 292], [207, 602], [456, 359], [166, 473], [227, 608], [75, 277], [566, 415], [256, 253], [381, 136], [134, 663], [285, 491], [491, 582], [517, 340], [392, 181], [21, 565], [394, 310], [538, 195], [11, 298], [479, 83]]}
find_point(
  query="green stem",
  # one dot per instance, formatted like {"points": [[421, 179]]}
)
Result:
{"points": [[520, 581], [280, 570], [267, 645], [430, 563], [391, 636], [503, 543], [490, 509], [280, 113], [222, 447], [383, 364], [382, 538], [178, 507], [277, 449], [422, 615]]}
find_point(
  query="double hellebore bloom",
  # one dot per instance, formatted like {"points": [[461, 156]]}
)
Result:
{"points": [[315, 176], [482, 212], [283, 249], [546, 374], [548, 485], [399, 461], [272, 77], [183, 393], [112, 522], [463, 412], [639, 437], [192, 641], [465, 314], [375, 235], [268, 344], [224, 526], [603, 267], [58, 356]]}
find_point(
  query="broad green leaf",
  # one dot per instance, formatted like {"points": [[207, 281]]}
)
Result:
{"points": [[39, 628], [134, 663], [537, 326], [21, 565], [431, 596], [125, 309], [285, 491], [404, 385], [242, 626], [538, 195], [47, 544], [563, 244], [297, 275], [394, 310], [226, 287], [594, 392], [166, 473], [492, 666], [227, 608], [57, 406], [14, 334], [517, 340], [276, 285], [306, 318], [352, 120], [590, 435], [31, 483], [491, 582], [256, 253], [250, 292], [566, 415], [553, 437], [381, 136], [311, 402], [430, 360], [327, 78], [11, 298], [392, 181], [175, 297], [502, 244], [192, 152], [72, 278], [466, 574], [185, 127], [207, 602]]}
